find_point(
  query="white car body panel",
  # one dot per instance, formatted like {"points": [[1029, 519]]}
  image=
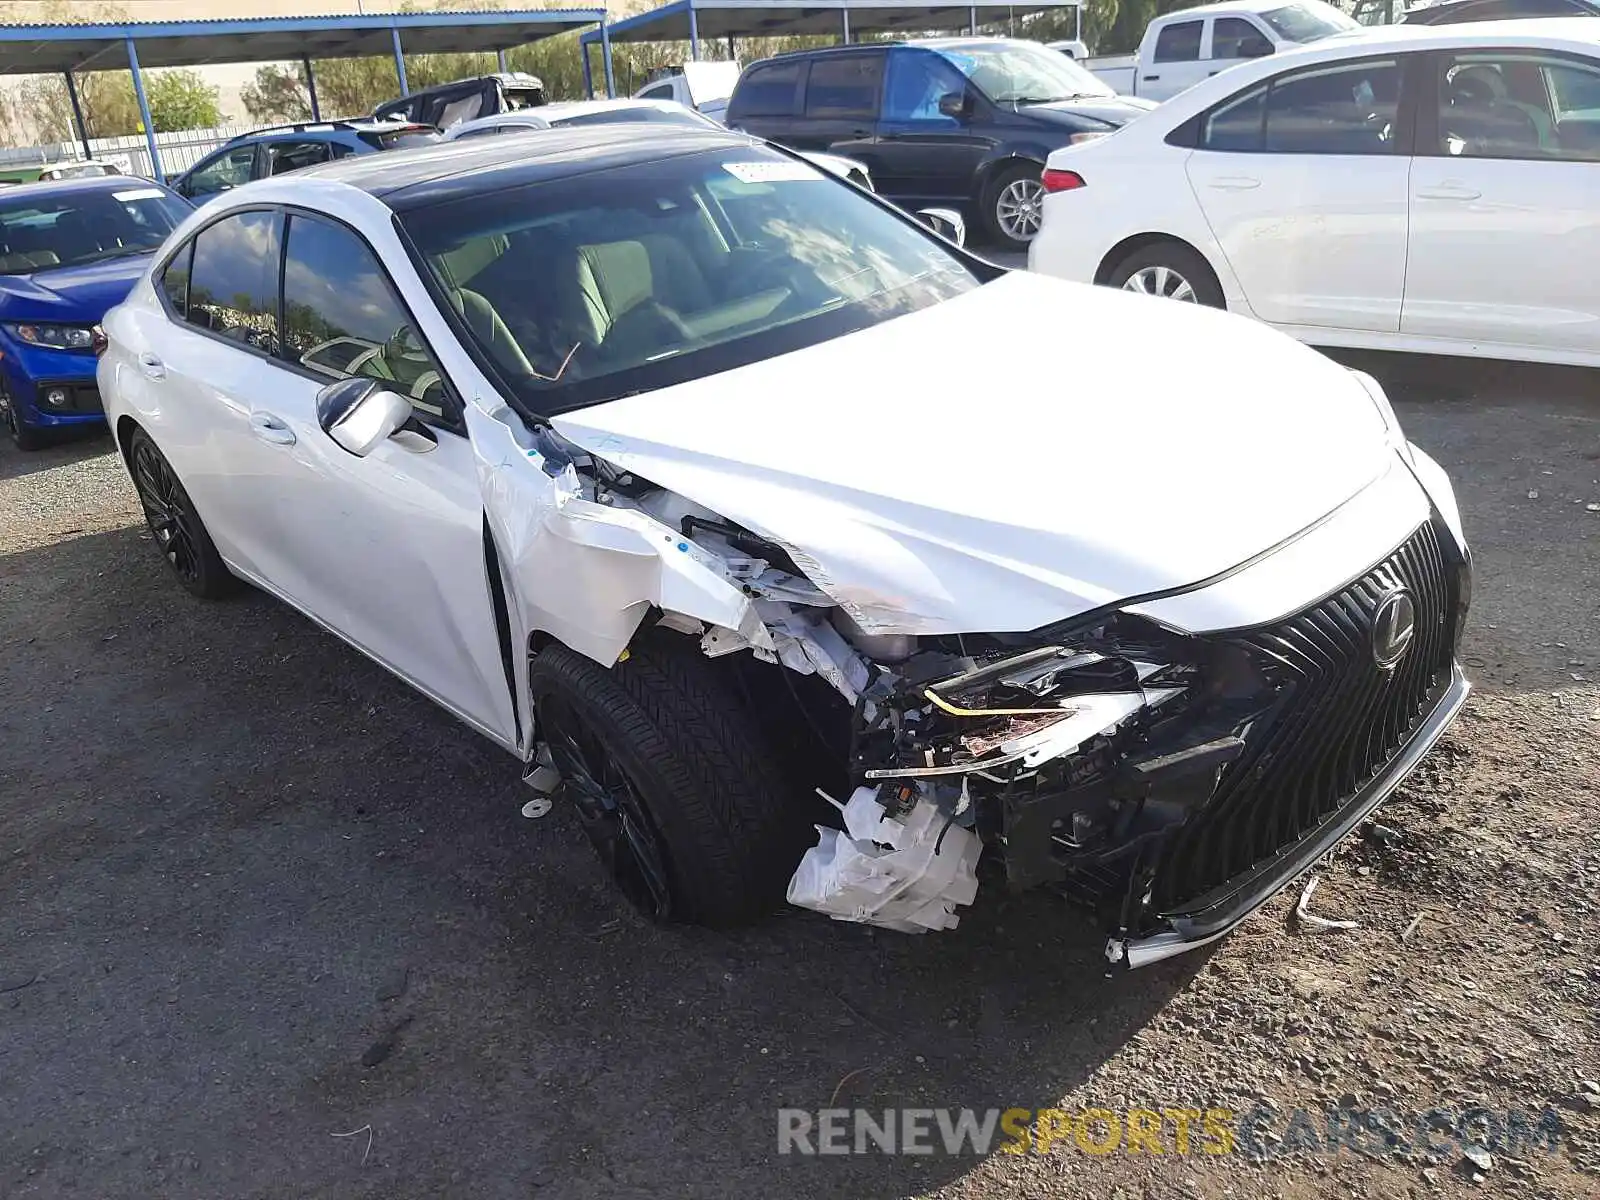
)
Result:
{"points": [[1310, 243], [1425, 254], [917, 545]]}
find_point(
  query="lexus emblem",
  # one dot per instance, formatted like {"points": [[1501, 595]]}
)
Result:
{"points": [[1394, 626]]}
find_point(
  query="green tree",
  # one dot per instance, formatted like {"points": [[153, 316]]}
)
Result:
{"points": [[276, 97], [180, 99]]}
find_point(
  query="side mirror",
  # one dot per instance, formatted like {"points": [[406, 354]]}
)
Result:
{"points": [[954, 104], [946, 222], [359, 414]]}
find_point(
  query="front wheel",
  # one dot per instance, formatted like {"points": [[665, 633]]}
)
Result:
{"points": [[1014, 206], [1171, 271], [23, 436], [690, 813]]}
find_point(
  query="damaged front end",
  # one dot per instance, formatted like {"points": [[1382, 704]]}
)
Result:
{"points": [[1169, 781]]}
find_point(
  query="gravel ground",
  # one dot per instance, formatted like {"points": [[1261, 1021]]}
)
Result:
{"points": [[258, 897]]}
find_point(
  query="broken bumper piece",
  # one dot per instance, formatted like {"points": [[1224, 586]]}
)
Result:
{"points": [[903, 868], [1203, 926]]}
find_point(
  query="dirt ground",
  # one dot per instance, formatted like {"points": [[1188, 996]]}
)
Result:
{"points": [[273, 926]]}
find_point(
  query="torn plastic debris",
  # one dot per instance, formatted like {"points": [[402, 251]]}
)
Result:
{"points": [[905, 873]]}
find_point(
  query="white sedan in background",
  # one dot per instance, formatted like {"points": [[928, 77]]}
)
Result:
{"points": [[569, 113], [1410, 188]]}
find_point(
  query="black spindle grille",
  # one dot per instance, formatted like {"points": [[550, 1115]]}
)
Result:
{"points": [[1339, 720]]}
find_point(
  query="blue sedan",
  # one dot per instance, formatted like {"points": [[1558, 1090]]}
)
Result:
{"points": [[69, 251]]}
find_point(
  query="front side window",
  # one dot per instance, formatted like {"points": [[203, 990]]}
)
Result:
{"points": [[1348, 109], [233, 279], [918, 80], [291, 156], [1022, 72], [767, 91], [844, 85], [341, 316], [1308, 21], [1503, 104], [1234, 37], [1179, 42], [230, 169], [39, 233], [582, 289]]}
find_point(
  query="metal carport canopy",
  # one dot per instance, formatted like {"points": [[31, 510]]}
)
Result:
{"points": [[776, 18], [65, 48], [46, 49]]}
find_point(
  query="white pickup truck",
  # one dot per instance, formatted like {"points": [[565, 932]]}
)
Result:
{"points": [[1182, 48], [704, 86]]}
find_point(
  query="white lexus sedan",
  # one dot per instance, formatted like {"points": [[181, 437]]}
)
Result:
{"points": [[1419, 188], [753, 518]]}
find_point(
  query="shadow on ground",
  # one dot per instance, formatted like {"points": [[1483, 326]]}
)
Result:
{"points": [[231, 837]]}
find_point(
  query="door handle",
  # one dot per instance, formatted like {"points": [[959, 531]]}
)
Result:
{"points": [[1234, 183], [1448, 191], [860, 133], [271, 429], [1151, 78], [152, 366]]}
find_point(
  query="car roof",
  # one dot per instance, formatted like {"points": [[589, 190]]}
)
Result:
{"points": [[87, 183], [407, 179]]}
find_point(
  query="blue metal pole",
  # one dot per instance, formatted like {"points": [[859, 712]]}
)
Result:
{"points": [[500, 61], [972, 21], [144, 113], [400, 62], [588, 72], [845, 13], [605, 47], [694, 34], [311, 86]]}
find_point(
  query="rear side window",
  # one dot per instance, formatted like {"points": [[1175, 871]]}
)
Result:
{"points": [[342, 318], [661, 91], [844, 85], [233, 279], [291, 156], [1352, 108], [1179, 42], [175, 280], [766, 91]]}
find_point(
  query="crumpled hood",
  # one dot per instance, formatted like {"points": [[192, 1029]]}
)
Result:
{"points": [[74, 294], [1023, 453]]}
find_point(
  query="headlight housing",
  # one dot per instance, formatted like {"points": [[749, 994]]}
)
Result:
{"points": [[53, 337]]}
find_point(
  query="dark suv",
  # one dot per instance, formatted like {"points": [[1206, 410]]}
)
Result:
{"points": [[283, 148], [448, 104], [1458, 12], [963, 121]]}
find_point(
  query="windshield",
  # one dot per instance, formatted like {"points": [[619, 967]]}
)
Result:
{"points": [[1022, 72], [39, 231], [656, 273], [1308, 22]]}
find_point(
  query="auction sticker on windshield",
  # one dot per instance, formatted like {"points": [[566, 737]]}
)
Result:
{"points": [[771, 172], [139, 194]]}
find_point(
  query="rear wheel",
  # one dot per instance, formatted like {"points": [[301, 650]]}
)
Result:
{"points": [[1170, 270], [672, 780], [1014, 205], [173, 522]]}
